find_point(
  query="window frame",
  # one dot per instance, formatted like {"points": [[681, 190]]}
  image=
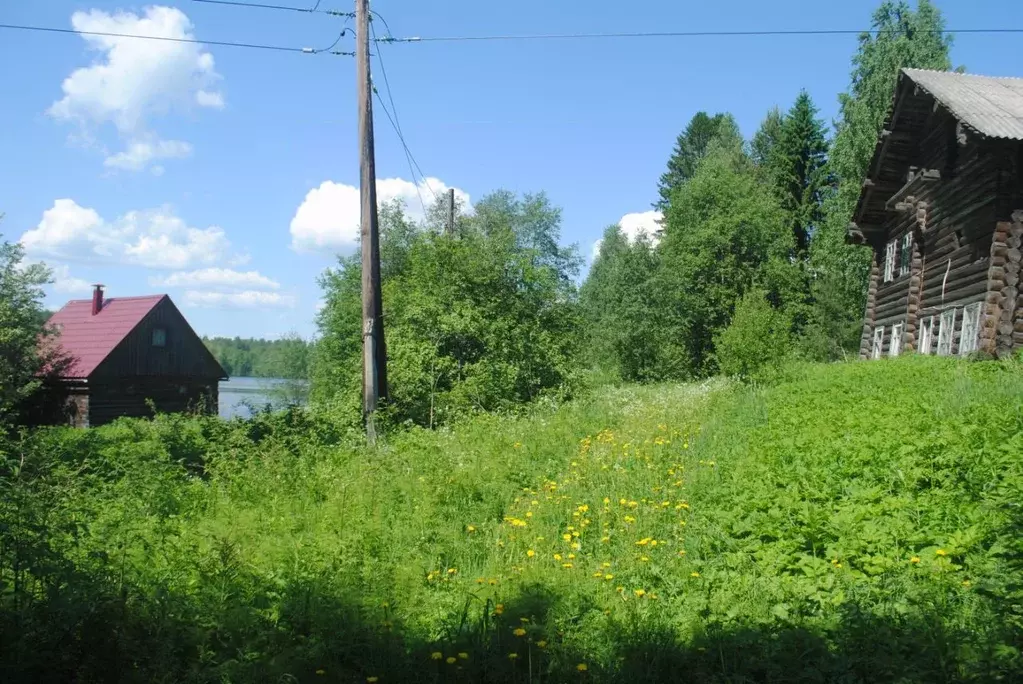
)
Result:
{"points": [[889, 261], [895, 340], [906, 256], [969, 339], [946, 330], [926, 336], [878, 346], [153, 338]]}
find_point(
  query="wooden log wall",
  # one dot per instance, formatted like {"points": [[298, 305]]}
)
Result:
{"points": [[1009, 327], [866, 339]]}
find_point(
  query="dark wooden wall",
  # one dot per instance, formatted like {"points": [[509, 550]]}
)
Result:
{"points": [[183, 356], [131, 398]]}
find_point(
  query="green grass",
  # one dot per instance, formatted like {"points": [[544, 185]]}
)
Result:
{"points": [[856, 523]]}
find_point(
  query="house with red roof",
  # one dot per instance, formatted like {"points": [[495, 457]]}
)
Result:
{"points": [[128, 356]]}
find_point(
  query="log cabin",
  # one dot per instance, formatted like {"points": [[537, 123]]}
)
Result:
{"points": [[126, 356], [942, 211]]}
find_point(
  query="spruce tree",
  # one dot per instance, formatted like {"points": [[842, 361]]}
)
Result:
{"points": [[797, 167], [690, 148], [766, 138]]}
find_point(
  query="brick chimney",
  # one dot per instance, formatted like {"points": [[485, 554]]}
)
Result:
{"points": [[97, 299]]}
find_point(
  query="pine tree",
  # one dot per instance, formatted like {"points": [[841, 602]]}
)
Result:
{"points": [[797, 167], [690, 148]]}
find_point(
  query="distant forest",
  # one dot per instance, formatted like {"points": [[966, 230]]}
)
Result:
{"points": [[284, 358]]}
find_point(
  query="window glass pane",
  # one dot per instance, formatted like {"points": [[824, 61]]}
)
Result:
{"points": [[895, 344], [878, 340], [159, 337]]}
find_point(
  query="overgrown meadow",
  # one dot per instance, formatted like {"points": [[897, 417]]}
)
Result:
{"points": [[855, 523]]}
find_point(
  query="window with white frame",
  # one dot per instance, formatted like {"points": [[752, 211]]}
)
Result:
{"points": [[878, 342], [889, 261], [895, 343], [971, 329], [946, 325], [926, 330], [907, 254]]}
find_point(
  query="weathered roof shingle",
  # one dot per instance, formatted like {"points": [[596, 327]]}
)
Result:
{"points": [[991, 106]]}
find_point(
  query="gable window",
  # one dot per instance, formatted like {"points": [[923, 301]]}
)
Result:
{"points": [[878, 342], [889, 261], [945, 328], [159, 337], [971, 329], [926, 330], [895, 343], [906, 255]]}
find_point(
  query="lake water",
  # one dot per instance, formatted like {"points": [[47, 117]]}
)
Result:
{"points": [[239, 395]]}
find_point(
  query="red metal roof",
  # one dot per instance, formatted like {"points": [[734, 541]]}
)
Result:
{"points": [[89, 339]]}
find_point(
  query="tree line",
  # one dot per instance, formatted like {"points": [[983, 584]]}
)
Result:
{"points": [[287, 357]]}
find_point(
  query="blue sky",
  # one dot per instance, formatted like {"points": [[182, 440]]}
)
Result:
{"points": [[224, 176]]}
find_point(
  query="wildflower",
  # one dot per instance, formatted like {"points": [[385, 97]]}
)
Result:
{"points": [[566, 565], [581, 667], [609, 577], [321, 672], [607, 501], [653, 542], [513, 656], [640, 593], [571, 556], [529, 514], [605, 539], [541, 644], [524, 620], [372, 679], [470, 529], [914, 559], [498, 609], [620, 589], [694, 574], [643, 542], [966, 583], [598, 574], [605, 564], [463, 656], [492, 582], [451, 660], [436, 655], [941, 552], [567, 536], [517, 445], [576, 546], [452, 571], [519, 632], [557, 556], [644, 559], [629, 519]]}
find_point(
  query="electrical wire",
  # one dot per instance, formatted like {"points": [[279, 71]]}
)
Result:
{"points": [[674, 34], [234, 3], [396, 124], [195, 41]]}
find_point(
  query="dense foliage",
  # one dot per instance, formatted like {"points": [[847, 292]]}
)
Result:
{"points": [[22, 318], [855, 522], [482, 320], [287, 357], [724, 203]]}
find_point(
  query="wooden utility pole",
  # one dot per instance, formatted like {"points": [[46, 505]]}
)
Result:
{"points": [[451, 211], [374, 352]]}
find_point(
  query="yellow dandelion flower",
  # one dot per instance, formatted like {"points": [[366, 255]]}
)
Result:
{"points": [[499, 608], [694, 574], [966, 583], [605, 539], [941, 552], [524, 620], [451, 660], [513, 656], [372, 679], [452, 571], [436, 655], [531, 553], [517, 445], [640, 593], [519, 632], [598, 574], [321, 672], [541, 644], [581, 667], [567, 536], [557, 556], [607, 501], [529, 514], [463, 656], [571, 556], [644, 559], [566, 565], [609, 577], [914, 559], [470, 528]]}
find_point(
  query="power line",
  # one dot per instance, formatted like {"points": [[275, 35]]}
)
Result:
{"points": [[395, 123], [221, 43], [257, 5], [674, 34]]}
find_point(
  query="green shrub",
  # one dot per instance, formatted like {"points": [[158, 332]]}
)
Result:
{"points": [[757, 341]]}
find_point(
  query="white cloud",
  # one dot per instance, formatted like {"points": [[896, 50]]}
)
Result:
{"points": [[216, 278], [65, 283], [246, 299], [328, 217], [155, 238], [633, 225], [132, 81], [138, 155]]}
